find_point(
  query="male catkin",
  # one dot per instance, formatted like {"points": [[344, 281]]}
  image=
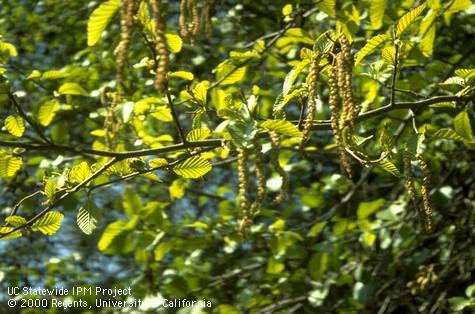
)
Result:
{"points": [[425, 188], [312, 97], [410, 186], [275, 142], [127, 13], [261, 178], [160, 47], [243, 189]]}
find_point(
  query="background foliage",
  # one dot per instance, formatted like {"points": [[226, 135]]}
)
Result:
{"points": [[82, 206]]}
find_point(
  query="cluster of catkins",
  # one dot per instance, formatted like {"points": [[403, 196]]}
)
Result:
{"points": [[424, 278], [425, 214], [312, 96], [190, 19], [341, 103], [249, 209]]}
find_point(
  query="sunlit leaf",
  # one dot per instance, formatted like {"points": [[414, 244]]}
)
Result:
{"points": [[72, 89], [49, 223], [282, 127], [47, 112], [99, 19], [376, 13], [193, 167], [174, 42], [198, 134], [15, 125], [369, 47], [408, 18], [88, 217]]}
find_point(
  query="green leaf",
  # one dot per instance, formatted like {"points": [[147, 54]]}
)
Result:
{"points": [[88, 217], [328, 6], [376, 13], [80, 172], [389, 54], [465, 73], [386, 140], [274, 267], [9, 165], [99, 19], [15, 125], [390, 168], [112, 231], [408, 18], [316, 229], [158, 162], [49, 223], [12, 235], [198, 134], [54, 75], [47, 112], [427, 31], [193, 167], [459, 5], [200, 91], [293, 94], [447, 134], [16, 221], [282, 127], [228, 74], [292, 75], [462, 125], [72, 89], [365, 209], [318, 265], [132, 202], [183, 75], [34, 74], [370, 46], [162, 113], [174, 42], [50, 188], [287, 9], [198, 225]]}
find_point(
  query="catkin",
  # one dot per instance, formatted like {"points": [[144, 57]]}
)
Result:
{"points": [[275, 143], [425, 193], [312, 98], [335, 107], [127, 12], [346, 66], [160, 47], [189, 19], [410, 186], [261, 178], [182, 19], [206, 16], [243, 189]]}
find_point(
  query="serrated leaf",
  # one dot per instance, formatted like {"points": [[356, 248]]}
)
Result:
{"points": [[390, 168], [47, 112], [34, 74], [54, 75], [9, 165], [408, 18], [370, 46], [427, 31], [198, 134], [386, 140], [293, 94], [359, 140], [465, 73], [389, 54], [328, 6], [112, 231], [282, 127], [49, 223], [88, 217], [158, 162], [462, 125], [174, 42], [80, 172], [447, 134], [227, 73], [292, 76], [16, 221], [50, 188], [15, 125], [323, 44], [200, 91], [12, 235], [193, 168], [183, 75], [287, 9], [72, 89], [99, 19], [162, 113], [376, 13], [459, 5]]}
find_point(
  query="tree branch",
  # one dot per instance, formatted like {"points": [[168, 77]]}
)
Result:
{"points": [[175, 119]]}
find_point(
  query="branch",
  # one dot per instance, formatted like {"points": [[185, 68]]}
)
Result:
{"points": [[175, 119], [60, 199]]}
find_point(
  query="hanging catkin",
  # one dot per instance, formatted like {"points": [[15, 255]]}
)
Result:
{"points": [[206, 17], [346, 68], [425, 188], [127, 12], [189, 19], [260, 177], [243, 190], [160, 47], [335, 106], [312, 98], [275, 142], [411, 188]]}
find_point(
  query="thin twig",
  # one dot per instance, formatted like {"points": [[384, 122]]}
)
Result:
{"points": [[175, 120]]}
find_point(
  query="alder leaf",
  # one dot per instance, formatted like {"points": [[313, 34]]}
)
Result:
{"points": [[88, 217], [9, 165], [282, 127], [174, 42], [370, 46], [390, 168], [227, 73], [462, 125], [72, 89], [183, 75], [47, 112], [15, 125], [328, 6], [198, 134], [112, 231], [80, 172], [16, 221], [447, 134], [99, 19], [376, 13], [12, 235], [49, 223], [408, 18], [158, 162], [193, 168]]}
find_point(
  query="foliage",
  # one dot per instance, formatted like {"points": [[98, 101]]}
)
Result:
{"points": [[200, 150]]}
